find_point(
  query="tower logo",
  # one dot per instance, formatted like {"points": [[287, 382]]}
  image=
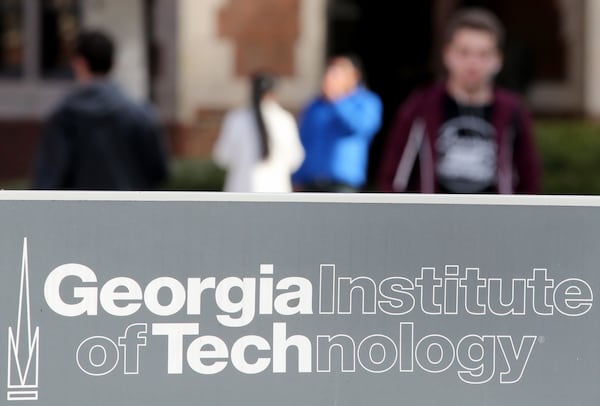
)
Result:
{"points": [[23, 345]]}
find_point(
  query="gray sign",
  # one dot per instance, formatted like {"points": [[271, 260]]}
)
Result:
{"points": [[221, 300]]}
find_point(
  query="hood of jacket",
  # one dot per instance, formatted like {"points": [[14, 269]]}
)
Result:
{"points": [[96, 99]]}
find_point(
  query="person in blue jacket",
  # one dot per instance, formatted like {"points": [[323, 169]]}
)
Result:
{"points": [[336, 130]]}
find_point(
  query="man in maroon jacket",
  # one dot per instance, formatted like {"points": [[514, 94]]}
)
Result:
{"points": [[464, 135]]}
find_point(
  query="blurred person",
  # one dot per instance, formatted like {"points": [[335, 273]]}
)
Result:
{"points": [[464, 135], [259, 145], [97, 139], [337, 129]]}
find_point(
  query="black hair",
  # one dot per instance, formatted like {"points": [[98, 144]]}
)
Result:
{"points": [[97, 49], [262, 84]]}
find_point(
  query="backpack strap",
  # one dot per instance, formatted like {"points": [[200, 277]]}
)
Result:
{"points": [[409, 156]]}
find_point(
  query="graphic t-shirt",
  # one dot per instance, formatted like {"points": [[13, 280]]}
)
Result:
{"points": [[466, 149]]}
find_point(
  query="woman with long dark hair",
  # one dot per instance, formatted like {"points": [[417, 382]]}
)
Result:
{"points": [[259, 145]]}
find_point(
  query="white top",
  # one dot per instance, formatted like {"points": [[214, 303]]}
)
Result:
{"points": [[238, 150], [309, 198]]}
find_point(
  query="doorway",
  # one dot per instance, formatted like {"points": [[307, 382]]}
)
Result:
{"points": [[394, 40]]}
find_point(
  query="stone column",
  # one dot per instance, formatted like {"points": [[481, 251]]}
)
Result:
{"points": [[592, 58]]}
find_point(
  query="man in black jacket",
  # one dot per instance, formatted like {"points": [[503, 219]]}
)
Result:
{"points": [[97, 139]]}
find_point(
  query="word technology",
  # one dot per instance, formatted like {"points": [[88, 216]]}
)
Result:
{"points": [[72, 290]]}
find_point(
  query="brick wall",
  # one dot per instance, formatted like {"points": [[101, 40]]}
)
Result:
{"points": [[19, 140], [196, 140]]}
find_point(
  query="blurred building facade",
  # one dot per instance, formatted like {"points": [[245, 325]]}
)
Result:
{"points": [[36, 42], [191, 57]]}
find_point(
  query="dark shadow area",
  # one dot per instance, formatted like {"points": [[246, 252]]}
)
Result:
{"points": [[394, 41]]}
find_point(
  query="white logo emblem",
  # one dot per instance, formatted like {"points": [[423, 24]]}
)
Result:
{"points": [[23, 346]]}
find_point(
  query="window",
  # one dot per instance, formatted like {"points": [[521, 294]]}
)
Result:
{"points": [[60, 25], [11, 38]]}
